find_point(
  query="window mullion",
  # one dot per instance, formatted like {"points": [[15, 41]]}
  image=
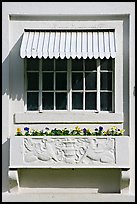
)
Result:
{"points": [[70, 84], [54, 85], [83, 84], [40, 85], [25, 84], [113, 75], [98, 85]]}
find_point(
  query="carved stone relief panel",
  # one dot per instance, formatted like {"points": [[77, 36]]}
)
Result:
{"points": [[70, 150]]}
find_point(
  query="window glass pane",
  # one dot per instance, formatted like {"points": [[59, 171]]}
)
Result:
{"points": [[106, 64], [61, 101], [61, 81], [90, 81], [90, 64], [61, 65], [77, 81], [90, 103], [106, 81], [77, 101], [48, 79], [32, 81], [32, 101], [77, 64], [32, 64], [48, 64], [106, 101], [48, 101]]}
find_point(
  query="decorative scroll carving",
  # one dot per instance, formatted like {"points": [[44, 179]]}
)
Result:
{"points": [[69, 150]]}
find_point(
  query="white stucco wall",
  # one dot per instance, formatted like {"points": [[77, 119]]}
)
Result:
{"points": [[19, 15]]}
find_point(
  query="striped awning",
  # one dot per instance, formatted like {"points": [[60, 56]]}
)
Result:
{"points": [[80, 44]]}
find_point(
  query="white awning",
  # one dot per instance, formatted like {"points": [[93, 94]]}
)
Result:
{"points": [[80, 44]]}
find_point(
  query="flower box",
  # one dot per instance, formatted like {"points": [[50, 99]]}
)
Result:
{"points": [[69, 152], [83, 149]]}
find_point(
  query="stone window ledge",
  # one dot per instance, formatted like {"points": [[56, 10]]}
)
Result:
{"points": [[67, 117]]}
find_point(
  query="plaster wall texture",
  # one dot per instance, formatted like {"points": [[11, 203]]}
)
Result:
{"points": [[19, 15]]}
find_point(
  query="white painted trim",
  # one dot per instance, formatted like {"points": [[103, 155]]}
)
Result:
{"points": [[72, 25], [40, 86], [84, 81], [69, 89], [68, 117], [119, 70], [54, 87], [25, 85], [98, 85]]}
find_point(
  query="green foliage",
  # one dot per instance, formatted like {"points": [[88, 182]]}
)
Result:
{"points": [[113, 131]]}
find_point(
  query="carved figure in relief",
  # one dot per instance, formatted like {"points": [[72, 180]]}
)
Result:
{"points": [[40, 150], [71, 151], [100, 150]]}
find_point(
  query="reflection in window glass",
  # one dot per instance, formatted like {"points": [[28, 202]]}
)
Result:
{"points": [[106, 101], [90, 81], [48, 100], [106, 64], [77, 81], [61, 101], [90, 64], [32, 101], [106, 80], [90, 103], [77, 101]]}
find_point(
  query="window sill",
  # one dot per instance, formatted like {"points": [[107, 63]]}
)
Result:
{"points": [[67, 117]]}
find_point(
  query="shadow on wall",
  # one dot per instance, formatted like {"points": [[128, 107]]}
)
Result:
{"points": [[126, 74], [12, 69], [13, 83], [5, 164], [100, 180]]}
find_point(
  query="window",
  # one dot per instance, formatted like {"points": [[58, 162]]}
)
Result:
{"points": [[70, 84], [73, 70], [95, 98]]}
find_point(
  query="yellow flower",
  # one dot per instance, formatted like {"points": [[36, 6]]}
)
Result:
{"points": [[49, 131], [77, 128], [89, 130], [122, 131], [31, 130], [105, 132], [114, 128], [18, 130]]}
